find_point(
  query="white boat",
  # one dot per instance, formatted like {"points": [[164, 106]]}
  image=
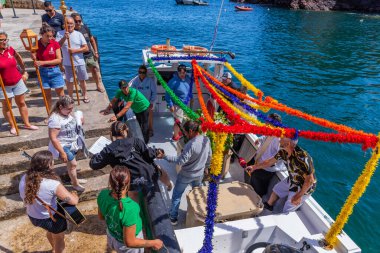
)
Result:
{"points": [[192, 2], [303, 230]]}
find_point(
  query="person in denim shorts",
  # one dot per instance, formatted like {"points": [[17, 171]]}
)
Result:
{"points": [[48, 58], [41, 184], [63, 138]]}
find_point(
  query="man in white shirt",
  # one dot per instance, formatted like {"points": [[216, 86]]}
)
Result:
{"points": [[268, 148], [78, 47], [148, 88]]}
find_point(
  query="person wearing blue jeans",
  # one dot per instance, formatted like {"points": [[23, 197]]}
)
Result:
{"points": [[194, 159]]}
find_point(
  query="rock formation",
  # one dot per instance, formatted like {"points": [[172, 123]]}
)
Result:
{"points": [[325, 5]]}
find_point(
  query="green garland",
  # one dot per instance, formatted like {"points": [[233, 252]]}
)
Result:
{"points": [[190, 113]]}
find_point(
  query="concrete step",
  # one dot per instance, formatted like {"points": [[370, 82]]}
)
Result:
{"points": [[15, 162], [9, 182], [12, 205], [31, 71], [95, 123]]}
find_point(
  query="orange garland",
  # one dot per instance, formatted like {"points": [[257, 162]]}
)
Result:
{"points": [[200, 97]]}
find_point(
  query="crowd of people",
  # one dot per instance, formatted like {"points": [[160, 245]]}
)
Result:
{"points": [[53, 60], [133, 162]]}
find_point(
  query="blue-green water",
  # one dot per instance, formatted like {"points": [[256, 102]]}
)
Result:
{"points": [[323, 63]]}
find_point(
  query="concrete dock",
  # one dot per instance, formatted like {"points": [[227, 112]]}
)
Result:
{"points": [[13, 165]]}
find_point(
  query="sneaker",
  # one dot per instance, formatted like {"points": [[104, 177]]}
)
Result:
{"points": [[82, 181], [268, 207], [173, 221], [175, 138], [78, 188]]}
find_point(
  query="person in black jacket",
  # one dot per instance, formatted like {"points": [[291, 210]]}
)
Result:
{"points": [[134, 154]]}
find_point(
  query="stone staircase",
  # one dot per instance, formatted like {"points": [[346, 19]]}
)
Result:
{"points": [[13, 165]]}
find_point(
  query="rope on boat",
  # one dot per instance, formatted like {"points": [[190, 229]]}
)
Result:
{"points": [[216, 26]]}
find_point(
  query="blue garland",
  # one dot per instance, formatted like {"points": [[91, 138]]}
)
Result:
{"points": [[182, 58], [212, 203]]}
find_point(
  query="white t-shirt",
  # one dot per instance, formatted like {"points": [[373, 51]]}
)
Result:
{"points": [[270, 152], [77, 40], [67, 134], [47, 192]]}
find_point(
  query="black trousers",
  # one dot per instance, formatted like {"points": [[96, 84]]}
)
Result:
{"points": [[143, 119], [260, 180]]}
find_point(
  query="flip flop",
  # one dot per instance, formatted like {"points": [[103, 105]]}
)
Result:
{"points": [[31, 127], [100, 90], [86, 100], [13, 131]]}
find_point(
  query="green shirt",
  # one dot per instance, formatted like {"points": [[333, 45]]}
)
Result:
{"points": [[139, 102], [116, 219]]}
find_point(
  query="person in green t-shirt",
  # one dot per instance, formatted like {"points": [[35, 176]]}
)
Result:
{"points": [[122, 215], [133, 99]]}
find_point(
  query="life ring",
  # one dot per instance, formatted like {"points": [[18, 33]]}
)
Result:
{"points": [[201, 50], [156, 49]]}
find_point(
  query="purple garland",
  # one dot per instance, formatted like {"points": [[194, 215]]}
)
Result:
{"points": [[189, 58], [245, 106], [212, 203]]}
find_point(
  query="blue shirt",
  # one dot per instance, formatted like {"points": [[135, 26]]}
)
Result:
{"points": [[147, 87], [57, 21], [181, 89]]}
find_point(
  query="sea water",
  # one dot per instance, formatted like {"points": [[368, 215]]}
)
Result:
{"points": [[323, 63]]}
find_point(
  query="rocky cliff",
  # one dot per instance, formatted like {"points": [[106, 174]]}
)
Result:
{"points": [[347, 5]]}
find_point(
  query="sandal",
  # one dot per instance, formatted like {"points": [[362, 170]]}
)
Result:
{"points": [[86, 100], [13, 131], [101, 90], [31, 127]]}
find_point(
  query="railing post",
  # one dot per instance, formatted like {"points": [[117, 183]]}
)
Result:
{"points": [[34, 9], [14, 12]]}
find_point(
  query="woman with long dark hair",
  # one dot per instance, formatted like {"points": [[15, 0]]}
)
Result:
{"points": [[41, 184], [122, 215], [63, 137]]}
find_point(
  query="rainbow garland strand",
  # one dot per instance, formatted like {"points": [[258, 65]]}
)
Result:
{"points": [[190, 113], [218, 135], [356, 192]]}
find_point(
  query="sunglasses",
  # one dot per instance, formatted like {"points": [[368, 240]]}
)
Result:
{"points": [[4, 40], [124, 87], [142, 72], [49, 10], [78, 21]]}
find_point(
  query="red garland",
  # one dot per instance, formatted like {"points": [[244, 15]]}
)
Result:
{"points": [[367, 142], [229, 113]]}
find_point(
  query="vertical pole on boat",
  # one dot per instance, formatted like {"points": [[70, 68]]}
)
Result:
{"points": [[63, 9], [13, 8], [357, 191], [9, 106]]}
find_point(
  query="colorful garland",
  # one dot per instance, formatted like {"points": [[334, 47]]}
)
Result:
{"points": [[258, 93], [212, 193], [190, 113], [200, 97], [356, 192], [235, 92], [188, 58]]}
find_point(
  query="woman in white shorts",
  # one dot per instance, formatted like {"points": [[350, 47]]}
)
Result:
{"points": [[13, 83]]}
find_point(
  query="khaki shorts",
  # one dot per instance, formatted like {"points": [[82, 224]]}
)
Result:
{"points": [[178, 113], [91, 63]]}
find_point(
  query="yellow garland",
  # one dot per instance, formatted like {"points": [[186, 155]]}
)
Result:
{"points": [[217, 156], [356, 192], [243, 81]]}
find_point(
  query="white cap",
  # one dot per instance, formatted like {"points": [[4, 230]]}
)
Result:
{"points": [[227, 75]]}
